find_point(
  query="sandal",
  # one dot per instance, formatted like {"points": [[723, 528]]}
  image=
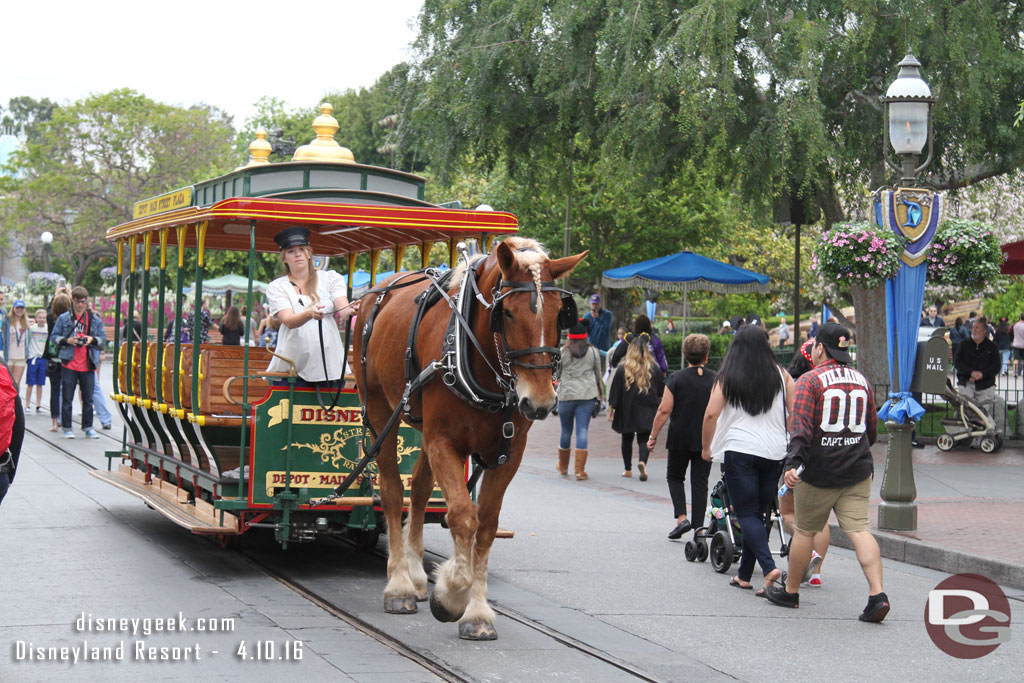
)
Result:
{"points": [[735, 583]]}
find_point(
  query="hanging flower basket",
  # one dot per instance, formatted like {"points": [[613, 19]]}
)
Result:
{"points": [[964, 254], [109, 273], [42, 283], [861, 254]]}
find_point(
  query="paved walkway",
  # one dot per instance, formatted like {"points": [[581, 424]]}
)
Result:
{"points": [[970, 505]]}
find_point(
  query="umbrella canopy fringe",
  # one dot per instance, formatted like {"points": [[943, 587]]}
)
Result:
{"points": [[687, 286]]}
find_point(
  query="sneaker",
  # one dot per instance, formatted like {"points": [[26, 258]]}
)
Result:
{"points": [[878, 607], [815, 580], [812, 568], [90, 433], [106, 426], [643, 470], [39, 409], [777, 595], [68, 434]]}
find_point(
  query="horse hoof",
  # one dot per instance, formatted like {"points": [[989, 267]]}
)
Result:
{"points": [[402, 605], [477, 630], [441, 612]]}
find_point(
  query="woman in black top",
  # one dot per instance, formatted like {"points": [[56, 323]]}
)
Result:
{"points": [[685, 401], [633, 400], [231, 327]]}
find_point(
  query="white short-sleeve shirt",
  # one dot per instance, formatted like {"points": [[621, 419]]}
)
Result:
{"points": [[302, 344]]}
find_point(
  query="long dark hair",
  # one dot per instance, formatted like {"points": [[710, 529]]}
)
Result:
{"points": [[232, 320], [750, 376]]}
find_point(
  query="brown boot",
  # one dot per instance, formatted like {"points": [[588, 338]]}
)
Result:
{"points": [[581, 462], [563, 461]]}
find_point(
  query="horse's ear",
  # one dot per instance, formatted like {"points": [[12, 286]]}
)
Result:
{"points": [[563, 266], [506, 259]]}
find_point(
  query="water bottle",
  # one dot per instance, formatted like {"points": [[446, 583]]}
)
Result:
{"points": [[782, 491]]}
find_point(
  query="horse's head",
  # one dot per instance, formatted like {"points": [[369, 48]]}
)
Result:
{"points": [[527, 318]]}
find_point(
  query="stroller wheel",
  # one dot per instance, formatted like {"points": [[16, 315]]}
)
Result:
{"points": [[721, 552], [945, 442], [690, 551], [990, 444], [702, 551]]}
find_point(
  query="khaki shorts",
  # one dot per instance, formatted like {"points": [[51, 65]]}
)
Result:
{"points": [[814, 504]]}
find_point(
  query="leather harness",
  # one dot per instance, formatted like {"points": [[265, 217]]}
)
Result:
{"points": [[455, 363]]}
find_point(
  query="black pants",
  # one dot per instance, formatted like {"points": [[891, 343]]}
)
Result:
{"points": [[69, 380], [700, 470], [54, 376], [627, 447]]}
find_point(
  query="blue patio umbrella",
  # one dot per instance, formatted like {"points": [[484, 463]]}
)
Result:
{"points": [[686, 272]]}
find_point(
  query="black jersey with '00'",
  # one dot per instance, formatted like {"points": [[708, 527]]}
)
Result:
{"points": [[834, 425]]}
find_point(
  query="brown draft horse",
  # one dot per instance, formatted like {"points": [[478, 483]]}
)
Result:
{"points": [[452, 429]]}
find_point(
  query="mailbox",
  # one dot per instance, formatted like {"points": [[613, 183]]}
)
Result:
{"points": [[932, 368]]}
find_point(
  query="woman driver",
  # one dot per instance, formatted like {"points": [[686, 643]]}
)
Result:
{"points": [[303, 301]]}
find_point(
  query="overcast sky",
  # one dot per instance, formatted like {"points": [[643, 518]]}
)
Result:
{"points": [[227, 54]]}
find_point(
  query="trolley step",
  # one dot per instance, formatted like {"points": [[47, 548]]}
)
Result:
{"points": [[171, 502]]}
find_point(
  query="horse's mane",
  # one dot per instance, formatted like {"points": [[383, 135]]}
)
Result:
{"points": [[530, 255]]}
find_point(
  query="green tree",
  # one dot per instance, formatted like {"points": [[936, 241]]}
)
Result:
{"points": [[360, 114], [24, 115], [776, 99], [94, 159]]}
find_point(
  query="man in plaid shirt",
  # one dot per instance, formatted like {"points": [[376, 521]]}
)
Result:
{"points": [[834, 424]]}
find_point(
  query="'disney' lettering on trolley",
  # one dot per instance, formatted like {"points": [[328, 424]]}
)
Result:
{"points": [[306, 415]]}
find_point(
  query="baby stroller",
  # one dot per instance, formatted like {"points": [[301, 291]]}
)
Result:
{"points": [[971, 422], [722, 527]]}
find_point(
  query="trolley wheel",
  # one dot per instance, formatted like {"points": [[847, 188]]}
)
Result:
{"points": [[989, 444], [945, 442], [690, 551], [702, 551], [366, 539], [721, 552]]}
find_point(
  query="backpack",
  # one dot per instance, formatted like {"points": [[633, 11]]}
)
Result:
{"points": [[8, 397]]}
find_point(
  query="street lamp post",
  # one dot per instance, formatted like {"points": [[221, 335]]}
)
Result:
{"points": [[907, 108], [908, 126], [47, 239]]}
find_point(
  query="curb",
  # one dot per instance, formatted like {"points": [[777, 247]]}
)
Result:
{"points": [[912, 551]]}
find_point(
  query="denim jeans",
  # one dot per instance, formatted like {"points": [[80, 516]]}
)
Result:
{"points": [[5, 483], [99, 403], [1004, 354], [69, 380], [579, 412], [752, 482]]}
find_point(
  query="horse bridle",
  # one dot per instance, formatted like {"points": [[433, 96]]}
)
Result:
{"points": [[507, 356]]}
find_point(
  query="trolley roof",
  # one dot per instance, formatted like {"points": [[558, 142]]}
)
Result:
{"points": [[348, 207], [335, 228]]}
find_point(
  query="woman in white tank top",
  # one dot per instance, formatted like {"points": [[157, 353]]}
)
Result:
{"points": [[745, 426]]}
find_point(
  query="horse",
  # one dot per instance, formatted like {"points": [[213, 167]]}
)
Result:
{"points": [[515, 314]]}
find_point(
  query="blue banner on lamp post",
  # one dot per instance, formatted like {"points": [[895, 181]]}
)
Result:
{"points": [[914, 214]]}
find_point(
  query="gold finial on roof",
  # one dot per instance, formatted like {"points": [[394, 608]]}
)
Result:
{"points": [[324, 147], [259, 150]]}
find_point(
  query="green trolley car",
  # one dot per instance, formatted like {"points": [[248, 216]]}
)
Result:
{"points": [[209, 441]]}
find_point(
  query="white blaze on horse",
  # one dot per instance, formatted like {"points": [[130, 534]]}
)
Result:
{"points": [[493, 361]]}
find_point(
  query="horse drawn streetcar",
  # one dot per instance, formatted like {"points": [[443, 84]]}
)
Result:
{"points": [[434, 427]]}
